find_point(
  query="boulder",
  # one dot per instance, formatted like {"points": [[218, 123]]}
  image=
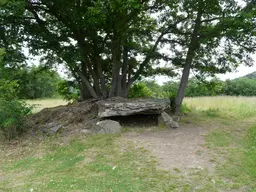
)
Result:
{"points": [[51, 128], [112, 108], [108, 127], [167, 119]]}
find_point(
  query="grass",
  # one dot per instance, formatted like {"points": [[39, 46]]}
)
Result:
{"points": [[110, 163], [232, 139], [95, 163], [223, 106], [45, 103], [238, 153]]}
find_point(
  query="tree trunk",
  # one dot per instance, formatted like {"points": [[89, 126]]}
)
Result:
{"points": [[101, 77], [125, 68], [188, 62], [88, 86], [84, 93], [116, 56]]}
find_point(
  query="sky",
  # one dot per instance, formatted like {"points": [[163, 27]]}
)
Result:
{"points": [[239, 72]]}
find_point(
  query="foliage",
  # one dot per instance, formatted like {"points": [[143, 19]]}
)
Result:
{"points": [[196, 88], [12, 111], [157, 90], [185, 109], [12, 117], [8, 89], [251, 75], [140, 90], [109, 45], [240, 87], [37, 82], [34, 82], [68, 90]]}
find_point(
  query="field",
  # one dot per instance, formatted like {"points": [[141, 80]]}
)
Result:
{"points": [[45, 103], [213, 150]]}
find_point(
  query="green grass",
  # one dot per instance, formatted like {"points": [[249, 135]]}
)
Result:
{"points": [[239, 165], [95, 163], [219, 139], [232, 140]]}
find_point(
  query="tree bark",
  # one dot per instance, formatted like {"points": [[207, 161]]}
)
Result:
{"points": [[84, 93], [125, 68], [188, 62], [116, 56], [88, 86], [101, 77]]}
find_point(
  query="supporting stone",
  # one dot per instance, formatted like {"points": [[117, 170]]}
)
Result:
{"points": [[169, 121]]}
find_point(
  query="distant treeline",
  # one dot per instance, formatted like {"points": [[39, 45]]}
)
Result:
{"points": [[37, 82], [32, 82], [245, 86]]}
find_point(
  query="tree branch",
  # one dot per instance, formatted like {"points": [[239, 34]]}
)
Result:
{"points": [[150, 54]]}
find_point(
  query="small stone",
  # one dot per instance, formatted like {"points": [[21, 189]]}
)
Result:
{"points": [[85, 131], [51, 128], [176, 118], [56, 128], [174, 125]]}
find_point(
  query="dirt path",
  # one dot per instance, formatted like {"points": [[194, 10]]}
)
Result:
{"points": [[176, 149]]}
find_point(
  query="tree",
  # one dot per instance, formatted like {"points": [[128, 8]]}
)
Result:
{"points": [[106, 44], [215, 38], [12, 111], [109, 44], [37, 82], [240, 87]]}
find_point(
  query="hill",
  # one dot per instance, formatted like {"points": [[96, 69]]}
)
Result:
{"points": [[251, 75]]}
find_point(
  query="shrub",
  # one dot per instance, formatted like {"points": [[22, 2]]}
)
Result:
{"points": [[12, 117], [68, 90], [185, 109], [12, 111], [8, 89], [36, 82], [139, 90]]}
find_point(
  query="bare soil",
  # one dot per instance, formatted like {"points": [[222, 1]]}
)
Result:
{"points": [[176, 149]]}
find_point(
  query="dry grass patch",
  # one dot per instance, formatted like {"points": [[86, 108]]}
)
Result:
{"points": [[45, 103], [224, 106]]}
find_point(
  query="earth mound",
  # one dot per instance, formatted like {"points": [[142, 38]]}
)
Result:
{"points": [[73, 118]]}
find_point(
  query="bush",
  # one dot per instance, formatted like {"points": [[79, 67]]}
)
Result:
{"points": [[12, 117], [140, 90], [185, 109], [8, 89], [240, 87], [12, 111], [68, 90], [36, 82]]}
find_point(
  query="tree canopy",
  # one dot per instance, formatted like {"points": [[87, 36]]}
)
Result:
{"points": [[107, 45]]}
